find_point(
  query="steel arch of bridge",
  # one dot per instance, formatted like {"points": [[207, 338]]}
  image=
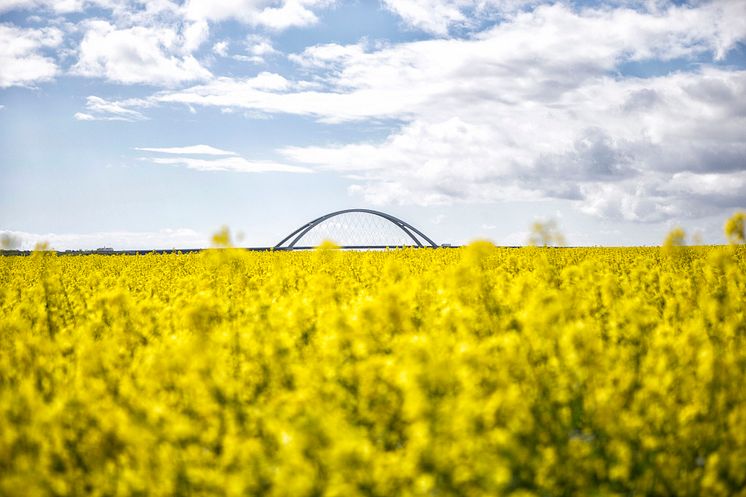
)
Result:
{"points": [[407, 228]]}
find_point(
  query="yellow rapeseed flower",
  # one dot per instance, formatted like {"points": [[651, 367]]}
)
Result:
{"points": [[480, 371]]}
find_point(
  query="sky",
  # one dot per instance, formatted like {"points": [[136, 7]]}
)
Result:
{"points": [[151, 124]]}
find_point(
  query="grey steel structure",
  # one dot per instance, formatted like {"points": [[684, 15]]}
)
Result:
{"points": [[418, 238]]}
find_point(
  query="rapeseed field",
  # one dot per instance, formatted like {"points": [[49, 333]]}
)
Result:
{"points": [[448, 372]]}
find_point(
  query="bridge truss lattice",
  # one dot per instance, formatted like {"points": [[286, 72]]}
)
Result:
{"points": [[356, 229]]}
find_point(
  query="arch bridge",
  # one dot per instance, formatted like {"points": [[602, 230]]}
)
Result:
{"points": [[356, 229]]}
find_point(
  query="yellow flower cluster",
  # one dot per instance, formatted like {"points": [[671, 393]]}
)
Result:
{"points": [[475, 371]]}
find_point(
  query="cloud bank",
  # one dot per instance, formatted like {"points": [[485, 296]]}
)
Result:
{"points": [[628, 109], [541, 106]]}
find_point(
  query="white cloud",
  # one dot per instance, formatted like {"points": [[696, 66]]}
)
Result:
{"points": [[138, 42], [636, 201], [434, 16], [537, 57], [269, 93], [258, 47], [542, 115], [221, 160], [194, 35], [535, 107], [21, 61], [731, 185], [227, 93], [328, 55], [656, 196], [100, 109], [57, 6], [220, 48], [269, 13], [247, 93], [8, 5], [438, 16], [590, 150], [231, 164], [273, 14], [179, 238], [193, 149], [141, 55]]}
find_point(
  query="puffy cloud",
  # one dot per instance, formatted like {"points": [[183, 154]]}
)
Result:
{"points": [[270, 13], [439, 16], [194, 35], [634, 201], [424, 163], [124, 12], [138, 43], [22, 62], [57, 6], [434, 16], [258, 48], [727, 185], [220, 48], [146, 55], [328, 56], [273, 14]]}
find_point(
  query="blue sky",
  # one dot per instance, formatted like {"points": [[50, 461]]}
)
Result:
{"points": [[139, 124]]}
